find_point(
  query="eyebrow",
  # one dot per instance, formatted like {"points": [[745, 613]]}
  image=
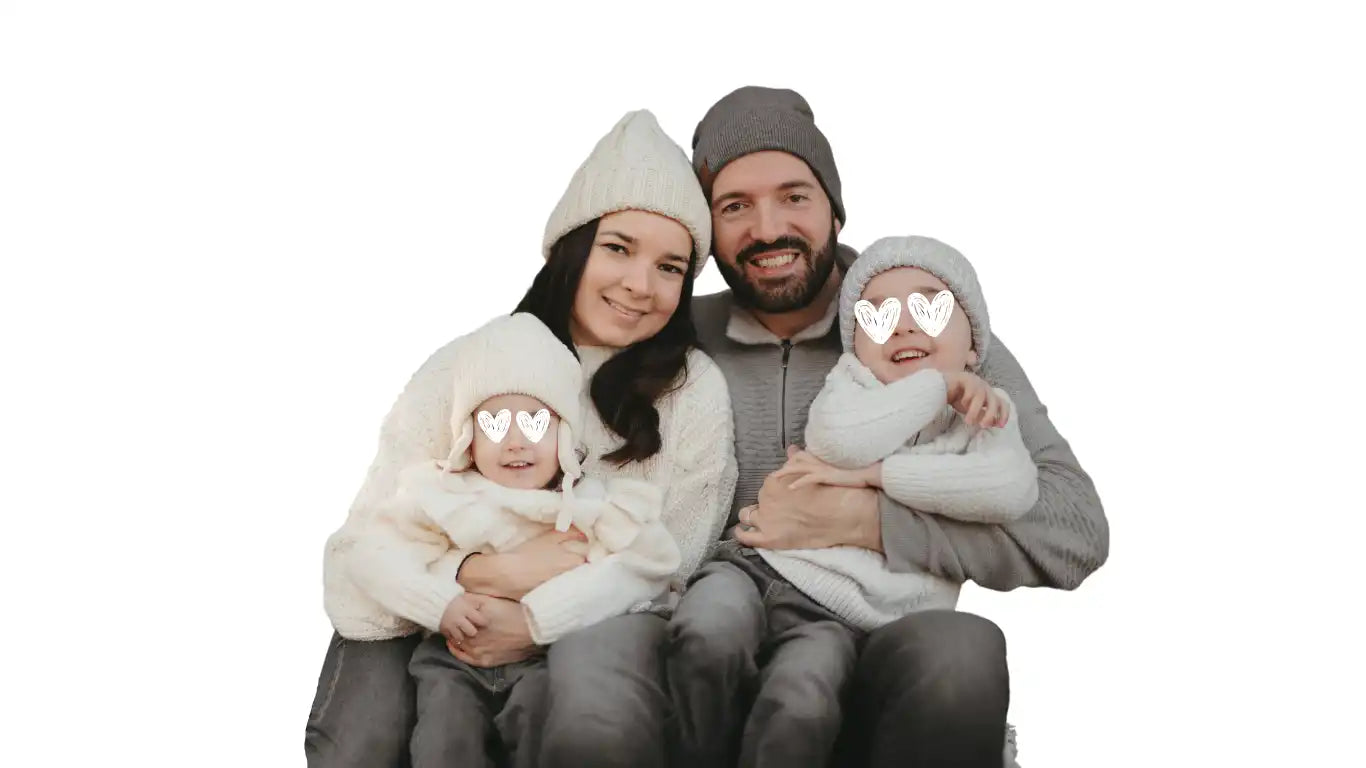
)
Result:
{"points": [[785, 186], [632, 241], [629, 240]]}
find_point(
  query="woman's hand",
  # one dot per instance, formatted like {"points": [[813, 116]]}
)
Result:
{"points": [[514, 573], [504, 639], [976, 400]]}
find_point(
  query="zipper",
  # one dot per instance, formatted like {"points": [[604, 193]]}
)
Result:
{"points": [[787, 349]]}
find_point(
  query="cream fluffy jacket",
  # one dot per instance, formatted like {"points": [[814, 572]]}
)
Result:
{"points": [[381, 581], [932, 461]]}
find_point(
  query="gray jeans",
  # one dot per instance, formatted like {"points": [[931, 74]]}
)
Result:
{"points": [[762, 674], [597, 699], [473, 717], [757, 670]]}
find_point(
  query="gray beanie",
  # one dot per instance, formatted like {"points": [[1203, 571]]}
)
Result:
{"points": [[754, 119], [928, 254]]}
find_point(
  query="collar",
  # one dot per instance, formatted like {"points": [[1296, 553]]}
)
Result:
{"points": [[745, 328]]}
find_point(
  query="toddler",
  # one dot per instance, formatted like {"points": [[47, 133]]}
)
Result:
{"points": [[512, 474], [903, 411]]}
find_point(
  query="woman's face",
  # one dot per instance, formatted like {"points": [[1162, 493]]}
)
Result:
{"points": [[516, 459], [633, 280]]}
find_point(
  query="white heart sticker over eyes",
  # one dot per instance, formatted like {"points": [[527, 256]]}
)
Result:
{"points": [[534, 427], [931, 316], [878, 323], [496, 427]]}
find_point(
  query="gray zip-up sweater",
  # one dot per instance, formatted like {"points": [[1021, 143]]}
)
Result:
{"points": [[772, 382]]}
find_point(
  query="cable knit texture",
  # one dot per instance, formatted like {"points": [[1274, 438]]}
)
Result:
{"points": [[413, 568], [931, 460]]}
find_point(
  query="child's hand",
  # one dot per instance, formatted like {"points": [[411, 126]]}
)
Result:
{"points": [[461, 621], [811, 471], [976, 400]]}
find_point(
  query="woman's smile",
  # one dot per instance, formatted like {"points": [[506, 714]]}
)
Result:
{"points": [[624, 311]]}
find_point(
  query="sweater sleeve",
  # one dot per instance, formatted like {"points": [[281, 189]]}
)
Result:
{"points": [[696, 505], [1062, 540], [852, 425], [408, 568], [412, 576], [993, 481]]}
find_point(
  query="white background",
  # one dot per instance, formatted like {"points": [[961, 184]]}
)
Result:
{"points": [[230, 231]]}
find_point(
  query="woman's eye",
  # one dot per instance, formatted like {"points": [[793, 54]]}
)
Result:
{"points": [[615, 247], [672, 268]]}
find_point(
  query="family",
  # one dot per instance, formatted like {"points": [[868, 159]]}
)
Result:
{"points": [[627, 526]]}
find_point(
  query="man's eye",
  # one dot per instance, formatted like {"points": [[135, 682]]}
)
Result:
{"points": [[732, 208], [797, 198]]}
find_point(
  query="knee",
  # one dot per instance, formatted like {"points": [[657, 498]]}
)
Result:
{"points": [[715, 633], [381, 740], [596, 742], [945, 662], [364, 710]]}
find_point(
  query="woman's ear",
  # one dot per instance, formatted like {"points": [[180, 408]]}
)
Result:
{"points": [[972, 358]]}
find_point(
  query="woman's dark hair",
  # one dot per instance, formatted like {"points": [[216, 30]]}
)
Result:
{"points": [[626, 387]]}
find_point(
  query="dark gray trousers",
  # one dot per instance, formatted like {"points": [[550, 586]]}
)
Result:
{"points": [[757, 670], [597, 699], [470, 716], [930, 690]]}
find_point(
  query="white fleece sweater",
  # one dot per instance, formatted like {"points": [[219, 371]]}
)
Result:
{"points": [[413, 571], [932, 461]]}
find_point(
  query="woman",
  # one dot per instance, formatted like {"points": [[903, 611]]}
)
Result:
{"points": [[622, 249]]}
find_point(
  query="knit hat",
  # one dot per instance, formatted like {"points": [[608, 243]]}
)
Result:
{"points": [[516, 354], [754, 119], [928, 254], [636, 166]]}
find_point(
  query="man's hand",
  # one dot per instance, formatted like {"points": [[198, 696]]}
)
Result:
{"points": [[504, 639], [811, 517], [975, 399], [461, 620], [513, 574]]}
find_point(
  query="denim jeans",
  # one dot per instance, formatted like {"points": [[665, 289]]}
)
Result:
{"points": [[597, 698], [761, 674]]}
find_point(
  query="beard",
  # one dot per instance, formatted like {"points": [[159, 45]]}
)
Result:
{"points": [[791, 293]]}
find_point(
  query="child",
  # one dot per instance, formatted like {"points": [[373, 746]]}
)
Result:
{"points": [[902, 411], [515, 408]]}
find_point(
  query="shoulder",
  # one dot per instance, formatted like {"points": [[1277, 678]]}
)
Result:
{"points": [[704, 381], [710, 315], [701, 403]]}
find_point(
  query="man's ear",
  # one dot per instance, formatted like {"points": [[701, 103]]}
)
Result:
{"points": [[972, 358]]}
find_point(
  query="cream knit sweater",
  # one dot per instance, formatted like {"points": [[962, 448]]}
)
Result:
{"points": [[380, 583], [932, 461]]}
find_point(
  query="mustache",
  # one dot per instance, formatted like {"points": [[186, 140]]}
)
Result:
{"points": [[758, 249]]}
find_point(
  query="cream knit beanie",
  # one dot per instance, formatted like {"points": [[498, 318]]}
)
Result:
{"points": [[516, 354], [636, 166]]}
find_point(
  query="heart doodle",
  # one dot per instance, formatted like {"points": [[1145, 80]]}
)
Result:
{"points": [[495, 426], [534, 427], [932, 317], [878, 323]]}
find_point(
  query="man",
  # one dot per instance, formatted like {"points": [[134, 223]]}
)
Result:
{"points": [[931, 689]]}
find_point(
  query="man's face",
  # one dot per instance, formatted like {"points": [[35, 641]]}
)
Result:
{"points": [[774, 231]]}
